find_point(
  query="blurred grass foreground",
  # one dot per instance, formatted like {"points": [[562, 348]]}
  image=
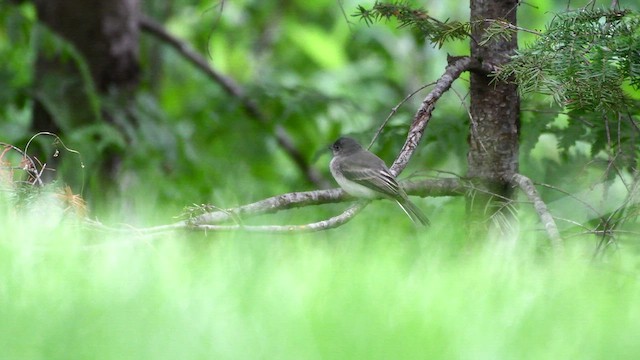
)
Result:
{"points": [[351, 293]]}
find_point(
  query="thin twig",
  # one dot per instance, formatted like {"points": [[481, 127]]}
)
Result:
{"points": [[330, 223], [453, 71], [573, 222], [510, 26], [394, 110], [597, 214], [28, 163], [474, 126], [285, 141]]}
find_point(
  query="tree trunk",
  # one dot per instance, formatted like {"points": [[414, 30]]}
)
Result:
{"points": [[495, 126], [105, 32], [104, 35]]}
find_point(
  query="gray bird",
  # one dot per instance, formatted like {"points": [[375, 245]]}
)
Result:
{"points": [[364, 175]]}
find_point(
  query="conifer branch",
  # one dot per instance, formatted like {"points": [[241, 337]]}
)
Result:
{"points": [[436, 31], [582, 60]]}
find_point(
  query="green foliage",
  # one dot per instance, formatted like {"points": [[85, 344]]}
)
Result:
{"points": [[537, 118], [15, 104], [583, 60]]}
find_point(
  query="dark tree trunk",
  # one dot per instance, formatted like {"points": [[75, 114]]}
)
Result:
{"points": [[104, 33], [494, 132]]}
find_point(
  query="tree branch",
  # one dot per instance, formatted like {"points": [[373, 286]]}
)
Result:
{"points": [[457, 65], [215, 220], [526, 185], [190, 225], [272, 205], [424, 188], [285, 141], [312, 227]]}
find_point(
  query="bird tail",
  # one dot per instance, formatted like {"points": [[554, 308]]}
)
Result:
{"points": [[416, 215]]}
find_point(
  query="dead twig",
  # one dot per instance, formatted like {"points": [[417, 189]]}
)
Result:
{"points": [[394, 110]]}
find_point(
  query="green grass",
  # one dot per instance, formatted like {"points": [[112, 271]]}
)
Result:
{"points": [[364, 291]]}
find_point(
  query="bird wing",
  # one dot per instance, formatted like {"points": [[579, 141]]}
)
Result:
{"points": [[377, 177]]}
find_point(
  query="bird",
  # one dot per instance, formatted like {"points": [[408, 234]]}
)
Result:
{"points": [[362, 174]]}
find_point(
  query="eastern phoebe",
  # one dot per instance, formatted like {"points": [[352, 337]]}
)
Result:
{"points": [[362, 174]]}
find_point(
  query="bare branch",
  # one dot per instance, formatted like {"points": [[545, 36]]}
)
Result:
{"points": [[273, 205], [190, 225], [312, 227], [526, 185], [222, 216], [453, 71], [285, 141], [214, 221], [424, 188]]}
